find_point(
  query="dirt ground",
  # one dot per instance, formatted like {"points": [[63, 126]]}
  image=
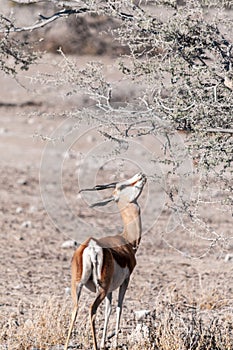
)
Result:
{"points": [[177, 267]]}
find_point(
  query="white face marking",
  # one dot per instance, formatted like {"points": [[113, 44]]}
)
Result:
{"points": [[130, 189]]}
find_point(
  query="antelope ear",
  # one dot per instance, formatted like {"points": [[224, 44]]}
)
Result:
{"points": [[102, 203]]}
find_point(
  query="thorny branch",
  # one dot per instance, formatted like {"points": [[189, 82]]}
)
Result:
{"points": [[43, 20], [181, 65], [66, 12]]}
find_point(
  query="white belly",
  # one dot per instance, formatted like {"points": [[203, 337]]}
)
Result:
{"points": [[119, 275]]}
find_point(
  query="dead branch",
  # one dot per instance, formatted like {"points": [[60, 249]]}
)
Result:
{"points": [[26, 1], [43, 21], [223, 131], [60, 3]]}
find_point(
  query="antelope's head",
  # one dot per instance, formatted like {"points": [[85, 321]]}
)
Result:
{"points": [[127, 191], [130, 190]]}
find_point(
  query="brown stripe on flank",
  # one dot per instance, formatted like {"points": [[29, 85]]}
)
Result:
{"points": [[121, 250]]}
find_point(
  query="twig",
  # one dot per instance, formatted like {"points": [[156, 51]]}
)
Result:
{"points": [[45, 20], [223, 131], [26, 1]]}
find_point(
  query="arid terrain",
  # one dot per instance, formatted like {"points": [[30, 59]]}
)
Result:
{"points": [[183, 278]]}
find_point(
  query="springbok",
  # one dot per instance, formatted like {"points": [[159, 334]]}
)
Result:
{"points": [[105, 264]]}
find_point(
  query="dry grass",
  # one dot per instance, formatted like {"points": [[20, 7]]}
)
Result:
{"points": [[193, 331], [44, 327], [180, 330], [171, 326]]}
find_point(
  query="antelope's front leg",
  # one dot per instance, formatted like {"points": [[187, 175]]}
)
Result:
{"points": [[121, 295]]}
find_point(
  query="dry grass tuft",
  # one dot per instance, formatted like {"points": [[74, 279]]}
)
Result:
{"points": [[171, 326], [44, 327], [185, 331]]}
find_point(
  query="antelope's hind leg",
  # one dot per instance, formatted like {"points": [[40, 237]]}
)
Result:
{"points": [[98, 300], [76, 298], [102, 289], [108, 309]]}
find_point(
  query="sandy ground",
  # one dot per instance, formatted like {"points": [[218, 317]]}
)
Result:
{"points": [[34, 266]]}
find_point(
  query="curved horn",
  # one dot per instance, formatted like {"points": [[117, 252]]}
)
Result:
{"points": [[99, 187], [102, 203]]}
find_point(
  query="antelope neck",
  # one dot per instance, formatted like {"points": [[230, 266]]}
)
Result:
{"points": [[130, 214]]}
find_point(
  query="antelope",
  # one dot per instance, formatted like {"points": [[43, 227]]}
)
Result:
{"points": [[105, 264]]}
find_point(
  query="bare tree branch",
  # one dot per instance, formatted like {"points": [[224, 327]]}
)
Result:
{"points": [[223, 131], [26, 1], [44, 20]]}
